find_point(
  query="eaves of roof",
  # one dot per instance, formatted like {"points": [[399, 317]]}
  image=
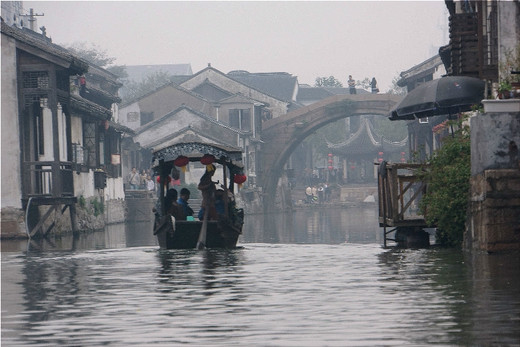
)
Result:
{"points": [[180, 132], [279, 85], [200, 114], [169, 84], [420, 70], [89, 108], [121, 128], [223, 74], [104, 94], [76, 64], [364, 141]]}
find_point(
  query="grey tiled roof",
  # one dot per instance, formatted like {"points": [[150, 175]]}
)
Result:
{"points": [[281, 85], [42, 43]]}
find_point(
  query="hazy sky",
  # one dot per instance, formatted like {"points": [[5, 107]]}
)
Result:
{"points": [[307, 39]]}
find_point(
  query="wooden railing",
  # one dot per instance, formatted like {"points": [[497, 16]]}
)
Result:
{"points": [[400, 191], [47, 179]]}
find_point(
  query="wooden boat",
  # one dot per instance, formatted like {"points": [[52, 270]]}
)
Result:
{"points": [[183, 234]]}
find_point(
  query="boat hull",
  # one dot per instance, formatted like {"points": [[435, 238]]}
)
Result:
{"points": [[186, 235]]}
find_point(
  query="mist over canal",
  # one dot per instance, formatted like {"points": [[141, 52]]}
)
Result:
{"points": [[312, 278]]}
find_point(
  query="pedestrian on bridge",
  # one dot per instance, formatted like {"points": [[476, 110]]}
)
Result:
{"points": [[351, 84]]}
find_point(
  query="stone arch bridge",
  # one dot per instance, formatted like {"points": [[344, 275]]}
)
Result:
{"points": [[283, 134]]}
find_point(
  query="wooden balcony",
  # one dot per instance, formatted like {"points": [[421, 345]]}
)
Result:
{"points": [[49, 179]]}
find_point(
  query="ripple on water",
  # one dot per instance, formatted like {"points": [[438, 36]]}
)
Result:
{"points": [[260, 294]]}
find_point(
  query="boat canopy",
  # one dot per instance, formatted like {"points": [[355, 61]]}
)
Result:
{"points": [[194, 151]]}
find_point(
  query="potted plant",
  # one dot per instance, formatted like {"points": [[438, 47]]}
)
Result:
{"points": [[509, 74], [504, 89]]}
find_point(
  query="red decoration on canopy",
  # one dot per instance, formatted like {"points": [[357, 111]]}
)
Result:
{"points": [[208, 160], [239, 179], [181, 162]]}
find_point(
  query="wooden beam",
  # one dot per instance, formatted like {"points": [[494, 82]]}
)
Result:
{"points": [[42, 220]]}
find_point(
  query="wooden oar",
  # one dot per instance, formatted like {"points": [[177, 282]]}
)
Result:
{"points": [[201, 243]]}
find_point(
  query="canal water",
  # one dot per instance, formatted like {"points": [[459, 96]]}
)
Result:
{"points": [[314, 278]]}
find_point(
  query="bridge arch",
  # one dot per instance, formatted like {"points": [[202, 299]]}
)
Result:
{"points": [[283, 134]]}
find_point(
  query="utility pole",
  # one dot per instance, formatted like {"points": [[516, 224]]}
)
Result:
{"points": [[32, 18]]}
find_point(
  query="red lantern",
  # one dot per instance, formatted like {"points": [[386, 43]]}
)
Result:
{"points": [[208, 160], [380, 160], [330, 154], [181, 162], [239, 179], [380, 154], [330, 161], [330, 167]]}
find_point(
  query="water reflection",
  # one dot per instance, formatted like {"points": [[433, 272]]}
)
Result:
{"points": [[325, 225], [479, 293], [352, 292]]}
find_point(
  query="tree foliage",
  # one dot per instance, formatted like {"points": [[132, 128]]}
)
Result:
{"points": [[446, 200], [330, 81], [364, 83], [91, 53], [395, 131], [95, 55], [395, 89]]}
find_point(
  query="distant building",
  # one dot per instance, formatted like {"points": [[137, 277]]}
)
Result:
{"points": [[207, 106], [140, 72], [13, 14]]}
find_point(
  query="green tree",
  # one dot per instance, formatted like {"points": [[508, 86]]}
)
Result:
{"points": [[330, 81], [365, 83], [95, 55], [448, 173]]}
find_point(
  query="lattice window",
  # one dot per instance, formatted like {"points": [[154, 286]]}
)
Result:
{"points": [[36, 79], [30, 99], [89, 143]]}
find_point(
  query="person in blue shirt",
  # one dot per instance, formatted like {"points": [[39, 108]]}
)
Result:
{"points": [[183, 202]]}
